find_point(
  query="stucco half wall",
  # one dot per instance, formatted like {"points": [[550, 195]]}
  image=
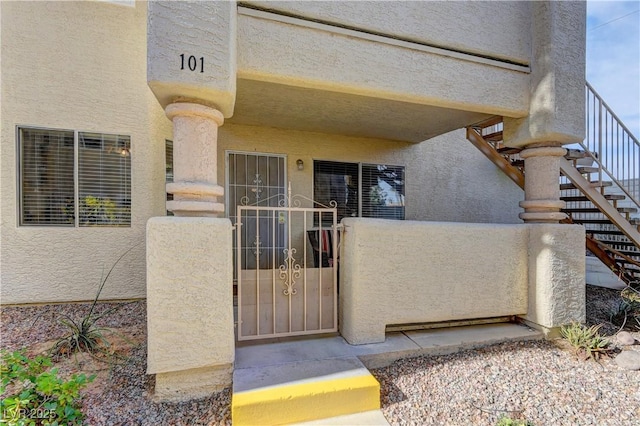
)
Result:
{"points": [[418, 272], [411, 272]]}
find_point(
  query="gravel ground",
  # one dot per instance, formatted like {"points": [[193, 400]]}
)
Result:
{"points": [[120, 395], [537, 381]]}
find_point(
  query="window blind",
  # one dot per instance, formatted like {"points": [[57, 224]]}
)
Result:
{"points": [[382, 191], [379, 186], [337, 181], [104, 179], [68, 177], [46, 177], [168, 171]]}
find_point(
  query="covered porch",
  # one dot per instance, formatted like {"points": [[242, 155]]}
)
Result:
{"points": [[310, 76]]}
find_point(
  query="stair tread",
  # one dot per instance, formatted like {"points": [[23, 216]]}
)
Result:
{"points": [[603, 232], [575, 154], [493, 137], [597, 210], [583, 198], [588, 169], [605, 221], [593, 221], [593, 184], [630, 253], [616, 243], [507, 150]]}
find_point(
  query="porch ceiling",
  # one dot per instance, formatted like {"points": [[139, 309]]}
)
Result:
{"points": [[276, 105]]}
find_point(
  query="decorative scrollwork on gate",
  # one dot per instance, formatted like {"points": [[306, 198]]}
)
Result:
{"points": [[290, 272], [256, 246]]}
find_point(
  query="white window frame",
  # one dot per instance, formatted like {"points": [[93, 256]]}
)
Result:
{"points": [[76, 179]]}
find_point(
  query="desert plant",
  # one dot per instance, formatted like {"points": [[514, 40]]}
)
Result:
{"points": [[504, 420], [84, 335], [586, 341], [34, 394], [626, 314]]}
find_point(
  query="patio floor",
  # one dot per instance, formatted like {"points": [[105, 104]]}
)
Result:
{"points": [[270, 366]]}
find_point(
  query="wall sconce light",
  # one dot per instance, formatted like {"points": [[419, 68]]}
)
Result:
{"points": [[300, 164]]}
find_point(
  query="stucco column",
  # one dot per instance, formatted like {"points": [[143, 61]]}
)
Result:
{"points": [[195, 143], [541, 188]]}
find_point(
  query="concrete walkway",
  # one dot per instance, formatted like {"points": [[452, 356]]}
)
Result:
{"points": [[265, 367]]}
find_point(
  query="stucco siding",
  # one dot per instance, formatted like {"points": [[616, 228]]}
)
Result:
{"points": [[447, 179], [392, 273], [79, 66], [83, 66], [498, 29], [282, 52]]}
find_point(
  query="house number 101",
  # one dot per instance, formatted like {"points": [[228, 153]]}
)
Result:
{"points": [[191, 62]]}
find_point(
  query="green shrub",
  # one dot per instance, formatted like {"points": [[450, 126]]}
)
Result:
{"points": [[34, 394], [586, 341]]}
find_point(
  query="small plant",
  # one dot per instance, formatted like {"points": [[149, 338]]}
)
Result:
{"points": [[84, 335], [34, 394], [586, 341], [626, 314], [505, 420]]}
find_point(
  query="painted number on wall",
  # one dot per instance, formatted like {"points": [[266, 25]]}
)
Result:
{"points": [[191, 63]]}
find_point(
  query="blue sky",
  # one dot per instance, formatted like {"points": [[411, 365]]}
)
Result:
{"points": [[613, 57]]}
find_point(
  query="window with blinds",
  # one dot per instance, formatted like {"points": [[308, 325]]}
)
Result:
{"points": [[382, 191], [366, 190], [72, 178], [339, 182], [168, 171]]}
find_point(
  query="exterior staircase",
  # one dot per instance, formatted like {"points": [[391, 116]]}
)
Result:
{"points": [[599, 182]]}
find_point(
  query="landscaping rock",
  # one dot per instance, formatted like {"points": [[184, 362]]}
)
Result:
{"points": [[629, 360], [624, 338]]}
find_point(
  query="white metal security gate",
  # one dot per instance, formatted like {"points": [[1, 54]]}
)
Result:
{"points": [[287, 268]]}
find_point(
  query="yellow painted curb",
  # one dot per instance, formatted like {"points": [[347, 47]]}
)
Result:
{"points": [[306, 401]]}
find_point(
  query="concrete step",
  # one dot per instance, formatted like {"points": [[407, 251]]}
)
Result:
{"points": [[368, 418], [295, 392], [309, 378]]}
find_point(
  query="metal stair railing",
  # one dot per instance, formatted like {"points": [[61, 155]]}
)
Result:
{"points": [[614, 149], [612, 154]]}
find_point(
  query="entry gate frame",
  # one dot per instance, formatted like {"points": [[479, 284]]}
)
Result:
{"points": [[289, 271]]}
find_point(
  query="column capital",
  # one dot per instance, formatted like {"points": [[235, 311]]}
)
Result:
{"points": [[542, 151], [191, 109]]}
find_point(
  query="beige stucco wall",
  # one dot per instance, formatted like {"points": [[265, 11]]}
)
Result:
{"points": [[281, 52], [392, 273], [447, 179], [189, 305], [206, 30], [497, 29], [81, 66], [536, 271], [557, 106], [557, 293]]}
